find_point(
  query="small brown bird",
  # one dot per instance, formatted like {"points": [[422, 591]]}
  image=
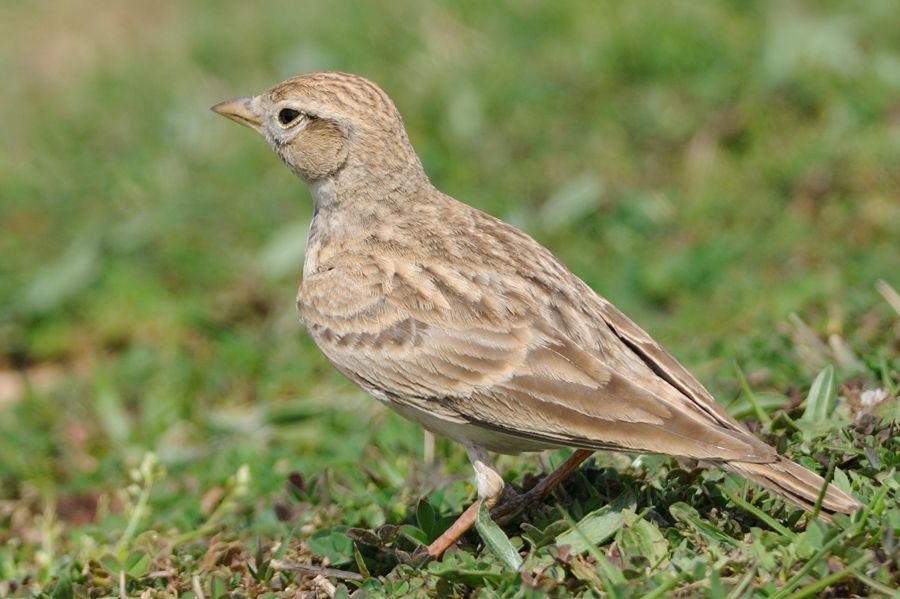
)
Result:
{"points": [[469, 327]]}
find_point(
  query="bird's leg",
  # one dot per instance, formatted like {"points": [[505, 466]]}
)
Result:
{"points": [[511, 508], [490, 487]]}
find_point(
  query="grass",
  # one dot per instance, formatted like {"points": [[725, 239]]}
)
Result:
{"points": [[725, 173]]}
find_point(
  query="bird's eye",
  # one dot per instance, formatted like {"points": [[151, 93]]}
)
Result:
{"points": [[287, 116]]}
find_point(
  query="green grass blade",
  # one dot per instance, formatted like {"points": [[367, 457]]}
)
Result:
{"points": [[820, 395], [496, 540], [813, 589], [745, 386], [773, 524]]}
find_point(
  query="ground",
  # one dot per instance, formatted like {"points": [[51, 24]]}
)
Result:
{"points": [[726, 173]]}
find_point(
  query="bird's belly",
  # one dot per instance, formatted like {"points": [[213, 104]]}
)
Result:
{"points": [[465, 432]]}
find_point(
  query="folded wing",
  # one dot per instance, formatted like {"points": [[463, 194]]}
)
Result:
{"points": [[476, 348]]}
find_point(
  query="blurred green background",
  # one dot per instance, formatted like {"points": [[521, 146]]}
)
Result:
{"points": [[713, 168]]}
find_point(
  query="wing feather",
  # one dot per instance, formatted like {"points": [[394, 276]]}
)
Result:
{"points": [[473, 348]]}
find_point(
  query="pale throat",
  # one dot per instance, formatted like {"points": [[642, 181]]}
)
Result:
{"points": [[323, 192]]}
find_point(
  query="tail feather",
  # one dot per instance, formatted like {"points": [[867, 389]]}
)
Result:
{"points": [[797, 484]]}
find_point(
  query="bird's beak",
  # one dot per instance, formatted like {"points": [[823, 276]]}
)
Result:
{"points": [[240, 111]]}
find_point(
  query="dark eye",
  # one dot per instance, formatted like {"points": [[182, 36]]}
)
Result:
{"points": [[287, 115]]}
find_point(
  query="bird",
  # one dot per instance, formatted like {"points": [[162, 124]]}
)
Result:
{"points": [[469, 327]]}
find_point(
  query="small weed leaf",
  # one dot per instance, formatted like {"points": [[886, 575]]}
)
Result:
{"points": [[365, 537], [598, 526], [643, 538], [466, 569], [111, 564], [341, 592], [136, 564], [218, 588], [414, 534], [388, 533], [425, 517], [333, 544], [685, 513], [496, 540]]}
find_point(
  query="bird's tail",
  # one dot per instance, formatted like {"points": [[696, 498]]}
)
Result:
{"points": [[796, 483]]}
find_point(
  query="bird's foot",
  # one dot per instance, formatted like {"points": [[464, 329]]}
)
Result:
{"points": [[514, 504], [509, 509]]}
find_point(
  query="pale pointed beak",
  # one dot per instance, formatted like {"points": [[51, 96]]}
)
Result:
{"points": [[240, 111]]}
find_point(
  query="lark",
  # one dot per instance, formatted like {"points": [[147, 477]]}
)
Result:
{"points": [[468, 326]]}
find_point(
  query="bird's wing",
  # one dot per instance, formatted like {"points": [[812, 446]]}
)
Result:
{"points": [[470, 347], [663, 364]]}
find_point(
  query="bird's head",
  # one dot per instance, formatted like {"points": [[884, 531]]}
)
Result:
{"points": [[325, 124]]}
